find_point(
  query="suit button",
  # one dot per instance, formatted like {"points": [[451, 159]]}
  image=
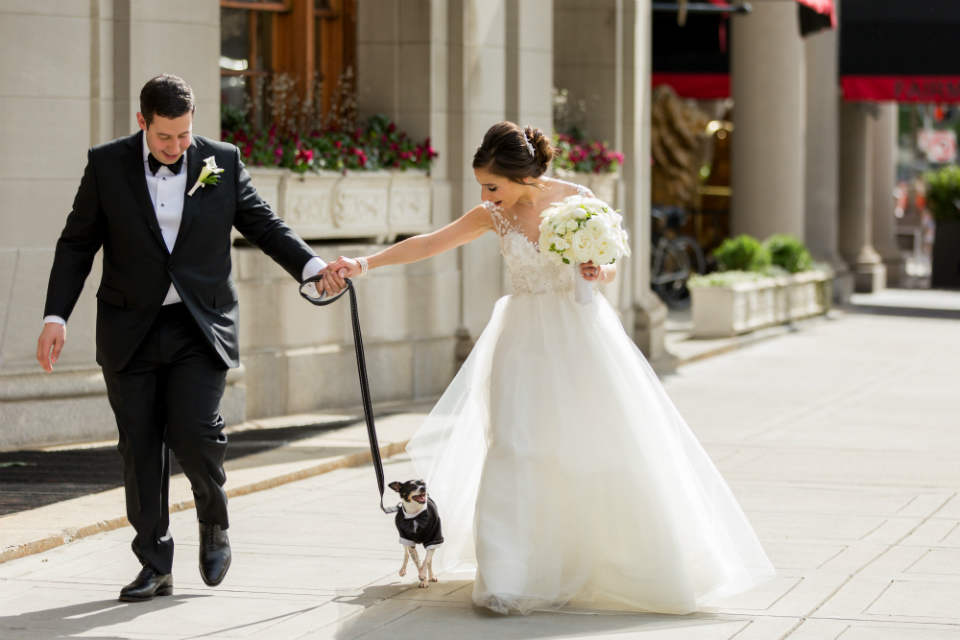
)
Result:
{"points": [[169, 267]]}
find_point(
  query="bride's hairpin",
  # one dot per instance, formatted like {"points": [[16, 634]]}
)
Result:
{"points": [[481, 143], [529, 146]]}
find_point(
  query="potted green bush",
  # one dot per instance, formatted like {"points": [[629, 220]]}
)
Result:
{"points": [[760, 284], [943, 200]]}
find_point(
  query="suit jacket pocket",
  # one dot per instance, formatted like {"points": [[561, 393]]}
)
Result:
{"points": [[225, 296], [111, 296]]}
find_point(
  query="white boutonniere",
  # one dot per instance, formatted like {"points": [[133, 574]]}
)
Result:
{"points": [[208, 175]]}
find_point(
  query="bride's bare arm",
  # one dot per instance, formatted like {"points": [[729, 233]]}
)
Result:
{"points": [[468, 227]]}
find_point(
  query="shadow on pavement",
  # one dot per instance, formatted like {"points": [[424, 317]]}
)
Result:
{"points": [[79, 619], [904, 312], [427, 614], [36, 478]]}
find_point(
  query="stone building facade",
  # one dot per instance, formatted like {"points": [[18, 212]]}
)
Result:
{"points": [[70, 75]]}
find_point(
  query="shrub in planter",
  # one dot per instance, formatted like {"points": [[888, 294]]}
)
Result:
{"points": [[943, 193], [743, 253], [943, 200], [788, 252]]}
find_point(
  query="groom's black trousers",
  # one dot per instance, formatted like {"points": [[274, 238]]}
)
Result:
{"points": [[168, 398]]}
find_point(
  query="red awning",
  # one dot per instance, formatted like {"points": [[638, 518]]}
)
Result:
{"points": [[902, 51], [824, 7], [701, 86], [902, 88]]}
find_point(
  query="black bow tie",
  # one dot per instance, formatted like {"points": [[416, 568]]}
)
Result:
{"points": [[156, 164]]}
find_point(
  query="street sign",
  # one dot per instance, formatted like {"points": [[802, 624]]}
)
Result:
{"points": [[940, 146]]}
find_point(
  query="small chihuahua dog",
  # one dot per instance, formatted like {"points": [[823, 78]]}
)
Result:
{"points": [[418, 521]]}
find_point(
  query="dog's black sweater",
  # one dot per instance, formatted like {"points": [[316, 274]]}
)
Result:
{"points": [[423, 530]]}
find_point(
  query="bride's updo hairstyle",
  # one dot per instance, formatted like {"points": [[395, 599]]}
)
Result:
{"points": [[514, 153]]}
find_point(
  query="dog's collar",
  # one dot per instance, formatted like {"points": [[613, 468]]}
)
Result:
{"points": [[411, 516]]}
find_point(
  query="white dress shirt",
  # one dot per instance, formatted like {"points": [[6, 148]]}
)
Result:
{"points": [[167, 193]]}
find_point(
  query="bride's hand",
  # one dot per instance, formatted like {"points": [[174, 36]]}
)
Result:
{"points": [[345, 267], [592, 272]]}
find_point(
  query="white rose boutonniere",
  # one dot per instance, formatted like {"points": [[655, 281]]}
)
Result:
{"points": [[208, 175]]}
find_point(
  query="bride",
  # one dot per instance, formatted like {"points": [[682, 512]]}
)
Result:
{"points": [[560, 466]]}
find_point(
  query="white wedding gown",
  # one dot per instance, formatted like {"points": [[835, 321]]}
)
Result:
{"points": [[562, 469]]}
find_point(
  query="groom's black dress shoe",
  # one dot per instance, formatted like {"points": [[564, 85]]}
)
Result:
{"points": [[214, 554], [149, 583]]}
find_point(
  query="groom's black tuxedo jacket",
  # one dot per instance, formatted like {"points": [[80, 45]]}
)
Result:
{"points": [[113, 209]]}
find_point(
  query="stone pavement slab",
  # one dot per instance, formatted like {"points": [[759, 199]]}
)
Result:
{"points": [[839, 441]]}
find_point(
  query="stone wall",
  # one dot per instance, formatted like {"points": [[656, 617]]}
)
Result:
{"points": [[70, 78], [300, 358]]}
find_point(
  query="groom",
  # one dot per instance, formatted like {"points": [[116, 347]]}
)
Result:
{"points": [[167, 312]]}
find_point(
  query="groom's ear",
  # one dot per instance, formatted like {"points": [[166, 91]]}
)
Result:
{"points": [[395, 486]]}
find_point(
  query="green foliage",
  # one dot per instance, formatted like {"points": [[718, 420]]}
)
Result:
{"points": [[231, 118], [943, 193], [743, 253], [788, 252]]}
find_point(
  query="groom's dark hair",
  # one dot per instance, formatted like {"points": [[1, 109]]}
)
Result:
{"points": [[166, 96]]}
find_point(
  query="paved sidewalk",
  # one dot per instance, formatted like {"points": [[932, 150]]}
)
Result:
{"points": [[842, 442]]}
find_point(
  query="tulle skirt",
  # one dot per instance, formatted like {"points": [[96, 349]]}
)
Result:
{"points": [[562, 470]]}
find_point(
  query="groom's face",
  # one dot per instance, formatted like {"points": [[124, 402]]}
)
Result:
{"points": [[167, 138]]}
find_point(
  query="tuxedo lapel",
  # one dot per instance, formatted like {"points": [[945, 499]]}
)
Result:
{"points": [[191, 204], [133, 166]]}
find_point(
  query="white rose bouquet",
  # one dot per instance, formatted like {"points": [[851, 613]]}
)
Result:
{"points": [[580, 230]]}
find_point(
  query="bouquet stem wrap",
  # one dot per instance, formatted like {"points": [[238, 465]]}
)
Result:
{"points": [[583, 293]]}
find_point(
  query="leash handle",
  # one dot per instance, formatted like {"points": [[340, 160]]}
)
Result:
{"points": [[361, 368]]}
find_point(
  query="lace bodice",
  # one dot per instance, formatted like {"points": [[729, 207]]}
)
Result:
{"points": [[530, 271]]}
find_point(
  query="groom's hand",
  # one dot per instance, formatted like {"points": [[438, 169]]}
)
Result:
{"points": [[332, 281], [51, 341]]}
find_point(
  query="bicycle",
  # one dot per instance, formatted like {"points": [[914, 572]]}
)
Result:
{"points": [[674, 258]]}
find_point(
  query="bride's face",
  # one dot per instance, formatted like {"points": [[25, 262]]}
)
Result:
{"points": [[501, 191]]}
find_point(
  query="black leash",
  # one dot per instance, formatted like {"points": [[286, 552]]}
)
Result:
{"points": [[361, 368]]}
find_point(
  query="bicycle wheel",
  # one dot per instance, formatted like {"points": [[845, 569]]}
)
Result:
{"points": [[690, 247], [669, 273]]}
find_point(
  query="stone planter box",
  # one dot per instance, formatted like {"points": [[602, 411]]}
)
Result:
{"points": [[378, 205], [603, 185], [723, 312], [945, 273]]}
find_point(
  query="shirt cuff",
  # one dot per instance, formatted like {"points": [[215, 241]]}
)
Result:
{"points": [[313, 266], [56, 319]]}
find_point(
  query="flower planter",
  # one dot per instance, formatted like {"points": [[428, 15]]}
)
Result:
{"points": [[945, 272], [327, 205], [410, 203], [722, 312], [603, 185]]}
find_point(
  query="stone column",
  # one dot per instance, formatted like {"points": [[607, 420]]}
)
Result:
{"points": [[602, 56], [142, 34], [767, 68], [634, 69], [477, 101], [529, 63], [822, 166], [884, 176], [856, 194]]}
